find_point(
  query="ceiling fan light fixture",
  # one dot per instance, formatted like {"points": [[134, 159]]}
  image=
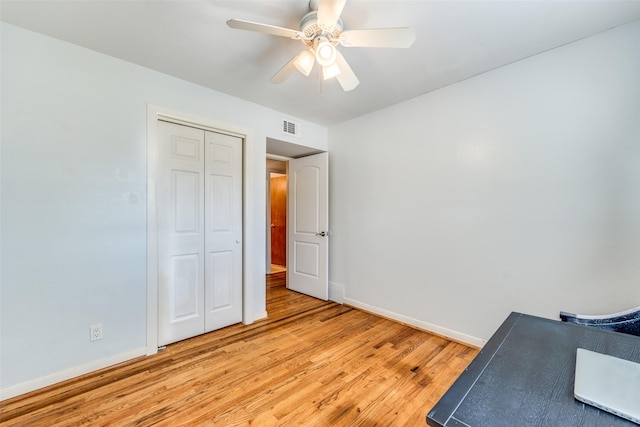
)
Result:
{"points": [[330, 71], [304, 62], [321, 31], [325, 52]]}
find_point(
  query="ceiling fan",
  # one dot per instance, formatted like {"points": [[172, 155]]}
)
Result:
{"points": [[321, 31]]}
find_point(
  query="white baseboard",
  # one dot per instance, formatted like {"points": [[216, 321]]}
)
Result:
{"points": [[260, 316], [438, 330], [336, 292], [76, 371]]}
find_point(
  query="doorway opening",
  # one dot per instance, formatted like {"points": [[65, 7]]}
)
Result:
{"points": [[307, 215], [276, 216]]}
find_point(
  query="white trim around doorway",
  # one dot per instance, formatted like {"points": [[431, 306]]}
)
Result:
{"points": [[155, 113]]}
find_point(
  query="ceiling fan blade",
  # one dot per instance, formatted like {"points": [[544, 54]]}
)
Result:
{"points": [[347, 78], [264, 28], [380, 37], [285, 71], [329, 12]]}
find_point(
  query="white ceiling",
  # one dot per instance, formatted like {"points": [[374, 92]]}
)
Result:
{"points": [[190, 40]]}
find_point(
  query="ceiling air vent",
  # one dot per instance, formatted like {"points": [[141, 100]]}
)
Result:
{"points": [[290, 128]]}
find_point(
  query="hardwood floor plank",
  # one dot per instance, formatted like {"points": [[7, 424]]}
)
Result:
{"points": [[311, 362]]}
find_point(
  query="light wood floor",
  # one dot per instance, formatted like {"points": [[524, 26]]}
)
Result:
{"points": [[311, 363], [275, 268]]}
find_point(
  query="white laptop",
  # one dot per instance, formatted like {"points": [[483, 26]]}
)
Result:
{"points": [[608, 383]]}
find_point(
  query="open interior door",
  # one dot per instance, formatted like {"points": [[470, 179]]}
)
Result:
{"points": [[308, 226]]}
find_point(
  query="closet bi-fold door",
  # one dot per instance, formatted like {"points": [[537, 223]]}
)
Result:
{"points": [[223, 230], [199, 197]]}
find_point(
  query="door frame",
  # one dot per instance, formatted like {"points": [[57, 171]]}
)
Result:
{"points": [[285, 160], [155, 113]]}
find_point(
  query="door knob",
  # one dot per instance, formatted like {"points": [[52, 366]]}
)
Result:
{"points": [[322, 234], [273, 226]]}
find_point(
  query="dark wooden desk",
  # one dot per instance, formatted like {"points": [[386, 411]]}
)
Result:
{"points": [[524, 376]]}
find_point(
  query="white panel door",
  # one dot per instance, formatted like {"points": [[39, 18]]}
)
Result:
{"points": [[308, 246], [223, 236], [199, 231], [180, 232]]}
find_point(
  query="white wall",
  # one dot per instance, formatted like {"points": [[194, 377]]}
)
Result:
{"points": [[516, 190], [74, 178]]}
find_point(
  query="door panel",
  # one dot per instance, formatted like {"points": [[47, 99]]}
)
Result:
{"points": [[308, 225], [221, 203], [185, 197], [184, 301], [221, 283], [223, 237], [307, 192], [180, 233], [307, 258]]}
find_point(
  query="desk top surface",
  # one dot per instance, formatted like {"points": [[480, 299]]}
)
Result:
{"points": [[524, 376]]}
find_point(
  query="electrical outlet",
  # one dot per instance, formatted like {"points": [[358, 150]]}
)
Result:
{"points": [[96, 332]]}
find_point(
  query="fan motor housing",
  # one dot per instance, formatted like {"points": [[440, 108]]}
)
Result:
{"points": [[311, 30]]}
